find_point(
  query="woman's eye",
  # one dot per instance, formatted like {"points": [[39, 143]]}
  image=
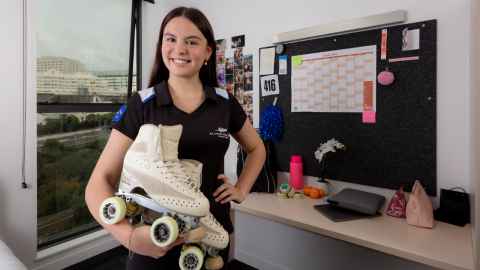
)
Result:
{"points": [[170, 39], [192, 43]]}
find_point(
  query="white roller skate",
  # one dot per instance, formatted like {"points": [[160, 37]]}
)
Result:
{"points": [[216, 238], [155, 188]]}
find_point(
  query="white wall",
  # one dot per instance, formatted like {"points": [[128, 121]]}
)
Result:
{"points": [[475, 100], [18, 206]]}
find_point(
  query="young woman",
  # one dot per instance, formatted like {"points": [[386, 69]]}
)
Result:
{"points": [[181, 91]]}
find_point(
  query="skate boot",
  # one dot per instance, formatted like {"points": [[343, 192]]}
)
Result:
{"points": [[215, 239], [156, 189]]}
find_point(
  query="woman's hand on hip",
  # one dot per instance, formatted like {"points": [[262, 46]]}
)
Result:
{"points": [[228, 192]]}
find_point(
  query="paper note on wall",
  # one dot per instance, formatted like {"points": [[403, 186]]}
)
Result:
{"points": [[411, 39], [297, 60], [369, 117], [267, 61], [282, 65], [383, 45], [367, 95], [335, 81], [270, 85]]}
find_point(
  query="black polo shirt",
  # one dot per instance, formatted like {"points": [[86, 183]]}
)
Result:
{"points": [[205, 136]]}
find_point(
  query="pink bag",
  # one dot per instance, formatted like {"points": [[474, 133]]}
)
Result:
{"points": [[419, 207], [397, 205]]}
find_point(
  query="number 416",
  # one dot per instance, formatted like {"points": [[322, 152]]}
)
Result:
{"points": [[269, 85]]}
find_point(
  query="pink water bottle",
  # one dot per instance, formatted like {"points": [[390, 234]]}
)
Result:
{"points": [[296, 172]]}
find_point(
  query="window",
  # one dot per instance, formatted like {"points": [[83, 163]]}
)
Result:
{"points": [[82, 74]]}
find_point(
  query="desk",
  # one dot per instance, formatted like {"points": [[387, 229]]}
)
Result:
{"points": [[445, 247]]}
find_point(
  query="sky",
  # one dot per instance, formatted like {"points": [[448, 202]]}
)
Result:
{"points": [[94, 32]]}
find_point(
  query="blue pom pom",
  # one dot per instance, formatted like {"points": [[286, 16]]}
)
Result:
{"points": [[271, 123]]}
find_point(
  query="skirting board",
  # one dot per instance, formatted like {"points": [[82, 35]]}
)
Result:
{"points": [[257, 262]]}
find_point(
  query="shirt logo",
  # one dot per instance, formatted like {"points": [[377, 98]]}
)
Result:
{"points": [[220, 132]]}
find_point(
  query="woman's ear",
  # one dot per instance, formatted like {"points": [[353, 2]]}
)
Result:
{"points": [[209, 52]]}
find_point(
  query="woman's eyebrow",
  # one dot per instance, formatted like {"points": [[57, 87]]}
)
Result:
{"points": [[193, 37], [188, 37]]}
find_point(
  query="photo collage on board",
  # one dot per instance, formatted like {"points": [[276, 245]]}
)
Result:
{"points": [[235, 74]]}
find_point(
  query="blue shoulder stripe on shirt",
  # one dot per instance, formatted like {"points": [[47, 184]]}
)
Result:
{"points": [[221, 92], [119, 115], [146, 94]]}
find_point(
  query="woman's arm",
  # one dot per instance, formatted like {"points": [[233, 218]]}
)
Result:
{"points": [[104, 180], [251, 142]]}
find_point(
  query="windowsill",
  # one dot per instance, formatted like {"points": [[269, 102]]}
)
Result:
{"points": [[72, 244]]}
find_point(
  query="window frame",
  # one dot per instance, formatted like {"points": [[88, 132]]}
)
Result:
{"points": [[47, 107]]}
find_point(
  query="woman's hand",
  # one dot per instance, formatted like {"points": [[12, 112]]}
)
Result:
{"points": [[228, 192], [141, 243]]}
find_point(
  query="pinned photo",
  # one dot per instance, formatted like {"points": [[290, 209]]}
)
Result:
{"points": [[238, 92], [248, 100], [248, 63], [248, 81], [229, 66], [220, 59], [248, 105], [238, 56], [238, 41], [410, 39], [229, 83], [221, 45], [239, 75], [221, 75]]}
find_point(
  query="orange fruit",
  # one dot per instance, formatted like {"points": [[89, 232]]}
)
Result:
{"points": [[315, 193], [307, 190]]}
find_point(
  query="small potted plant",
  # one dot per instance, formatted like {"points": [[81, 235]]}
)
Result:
{"points": [[320, 154]]}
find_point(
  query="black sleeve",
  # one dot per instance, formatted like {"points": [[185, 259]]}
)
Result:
{"points": [[130, 117], [237, 115]]}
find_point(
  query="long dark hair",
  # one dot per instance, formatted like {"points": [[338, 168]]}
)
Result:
{"points": [[208, 74]]}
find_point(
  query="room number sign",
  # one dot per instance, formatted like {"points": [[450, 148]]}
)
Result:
{"points": [[269, 85]]}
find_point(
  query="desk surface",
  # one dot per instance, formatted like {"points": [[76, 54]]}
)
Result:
{"points": [[445, 246]]}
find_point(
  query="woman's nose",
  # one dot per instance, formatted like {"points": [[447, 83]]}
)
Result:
{"points": [[180, 47]]}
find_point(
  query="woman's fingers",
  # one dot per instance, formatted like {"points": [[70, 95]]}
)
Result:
{"points": [[220, 189], [227, 192], [229, 198]]}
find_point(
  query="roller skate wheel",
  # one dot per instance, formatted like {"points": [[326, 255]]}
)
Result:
{"points": [[196, 235], [112, 210], [164, 231], [191, 258], [214, 263]]}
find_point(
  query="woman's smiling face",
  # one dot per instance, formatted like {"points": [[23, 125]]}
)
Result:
{"points": [[184, 48]]}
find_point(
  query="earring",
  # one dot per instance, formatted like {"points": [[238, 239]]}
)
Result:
{"points": [[205, 63]]}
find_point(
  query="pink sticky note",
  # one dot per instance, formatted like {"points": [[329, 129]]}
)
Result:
{"points": [[369, 117]]}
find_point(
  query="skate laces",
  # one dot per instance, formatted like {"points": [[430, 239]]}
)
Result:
{"points": [[178, 171]]}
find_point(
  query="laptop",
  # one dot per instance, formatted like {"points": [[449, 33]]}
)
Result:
{"points": [[358, 201]]}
